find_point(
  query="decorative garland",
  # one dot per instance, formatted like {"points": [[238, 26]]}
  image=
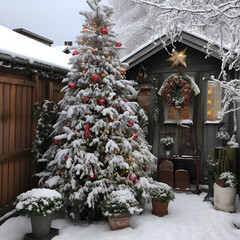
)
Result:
{"points": [[178, 91]]}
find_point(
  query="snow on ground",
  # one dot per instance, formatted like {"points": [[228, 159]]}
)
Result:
{"points": [[188, 218]]}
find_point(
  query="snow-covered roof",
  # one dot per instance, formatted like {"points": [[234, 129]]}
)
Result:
{"points": [[14, 46], [157, 43]]}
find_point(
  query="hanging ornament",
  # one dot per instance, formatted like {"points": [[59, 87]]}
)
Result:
{"points": [[122, 71], [87, 130], [101, 101], [103, 75], [135, 136], [56, 141], [118, 44], [75, 53], [95, 78], [126, 100], [104, 31], [133, 177], [71, 85], [86, 99], [110, 120], [130, 123], [94, 175], [85, 28], [178, 57]]}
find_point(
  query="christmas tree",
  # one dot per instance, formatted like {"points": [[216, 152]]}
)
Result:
{"points": [[98, 144]]}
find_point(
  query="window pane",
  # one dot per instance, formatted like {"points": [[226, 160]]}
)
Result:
{"points": [[184, 113], [144, 100], [213, 101], [172, 113]]}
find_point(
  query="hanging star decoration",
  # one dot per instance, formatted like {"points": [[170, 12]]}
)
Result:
{"points": [[178, 58]]}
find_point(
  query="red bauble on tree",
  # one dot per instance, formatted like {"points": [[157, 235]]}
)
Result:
{"points": [[86, 99], [101, 101], [130, 123], [135, 136], [104, 31], [118, 44], [75, 53], [95, 78], [71, 85], [133, 177], [87, 130], [56, 141]]}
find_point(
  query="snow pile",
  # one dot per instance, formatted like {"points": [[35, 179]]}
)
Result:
{"points": [[188, 218], [18, 46]]}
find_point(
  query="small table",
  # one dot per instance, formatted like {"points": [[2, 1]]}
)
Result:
{"points": [[184, 158]]}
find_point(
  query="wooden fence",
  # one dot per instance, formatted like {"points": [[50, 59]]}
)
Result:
{"points": [[17, 97]]}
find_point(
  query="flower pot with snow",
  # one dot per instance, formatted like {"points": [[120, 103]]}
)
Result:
{"points": [[118, 207], [39, 204], [225, 192], [161, 195], [167, 145]]}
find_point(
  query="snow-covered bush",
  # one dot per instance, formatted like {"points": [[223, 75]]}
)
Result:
{"points": [[39, 201], [167, 143], [161, 192], [222, 134], [120, 202], [228, 179]]}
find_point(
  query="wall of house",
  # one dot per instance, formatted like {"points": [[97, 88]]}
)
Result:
{"points": [[18, 93], [200, 134]]}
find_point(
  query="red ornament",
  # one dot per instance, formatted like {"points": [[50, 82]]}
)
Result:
{"points": [[104, 31], [71, 85], [56, 141], [133, 177], [126, 100], [94, 175], [130, 123], [87, 130], [86, 99], [75, 53], [110, 120], [95, 78], [118, 44], [101, 101], [135, 136]]}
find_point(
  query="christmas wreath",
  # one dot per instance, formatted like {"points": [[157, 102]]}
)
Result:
{"points": [[178, 91]]}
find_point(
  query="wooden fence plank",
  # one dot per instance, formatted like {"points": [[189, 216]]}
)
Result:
{"points": [[5, 184], [6, 117], [12, 117], [1, 118], [1, 181], [18, 104], [16, 177], [23, 118], [29, 117], [15, 81], [11, 197], [22, 174]]}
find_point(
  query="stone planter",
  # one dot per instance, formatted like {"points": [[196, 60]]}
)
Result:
{"points": [[41, 225], [120, 222], [159, 208], [224, 198]]}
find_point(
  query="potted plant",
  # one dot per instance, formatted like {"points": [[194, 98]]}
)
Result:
{"points": [[222, 137], [39, 204], [167, 145], [118, 207], [161, 195], [225, 190]]}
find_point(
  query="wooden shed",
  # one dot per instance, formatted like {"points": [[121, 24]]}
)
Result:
{"points": [[29, 72], [193, 128]]}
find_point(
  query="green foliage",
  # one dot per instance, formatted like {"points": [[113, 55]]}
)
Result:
{"points": [[161, 192], [47, 118], [34, 204], [167, 143], [120, 202]]}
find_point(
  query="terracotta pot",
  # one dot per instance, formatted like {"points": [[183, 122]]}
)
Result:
{"points": [[41, 225], [159, 208], [119, 222]]}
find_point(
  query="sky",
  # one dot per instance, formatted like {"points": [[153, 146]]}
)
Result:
{"points": [[57, 20]]}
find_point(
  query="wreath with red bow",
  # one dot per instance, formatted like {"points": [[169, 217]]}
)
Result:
{"points": [[178, 91]]}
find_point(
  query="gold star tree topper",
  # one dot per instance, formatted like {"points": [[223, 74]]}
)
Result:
{"points": [[178, 57]]}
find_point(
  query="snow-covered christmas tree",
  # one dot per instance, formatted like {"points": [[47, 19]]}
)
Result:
{"points": [[98, 144]]}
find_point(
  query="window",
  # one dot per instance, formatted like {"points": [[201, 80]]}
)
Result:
{"points": [[175, 115], [213, 101]]}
